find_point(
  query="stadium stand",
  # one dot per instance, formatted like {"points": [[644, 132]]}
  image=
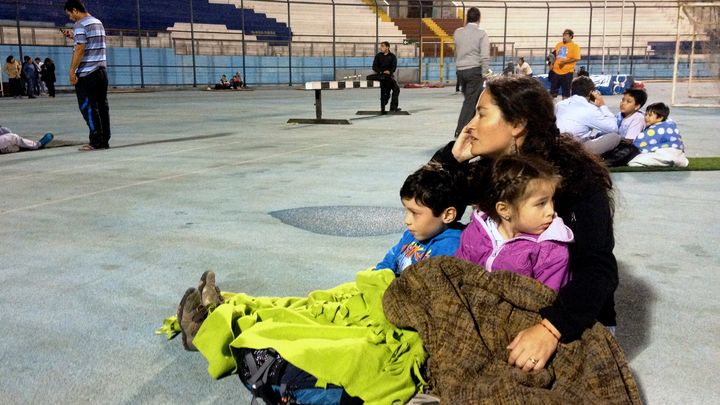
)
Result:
{"points": [[155, 16]]}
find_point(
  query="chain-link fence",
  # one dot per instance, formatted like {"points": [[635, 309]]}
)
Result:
{"points": [[287, 42]]}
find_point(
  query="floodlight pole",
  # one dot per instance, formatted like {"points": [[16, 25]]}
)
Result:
{"points": [[242, 23], [17, 24], [142, 73], [192, 43]]}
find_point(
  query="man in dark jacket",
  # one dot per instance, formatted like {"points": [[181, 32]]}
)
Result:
{"points": [[30, 74], [384, 67]]}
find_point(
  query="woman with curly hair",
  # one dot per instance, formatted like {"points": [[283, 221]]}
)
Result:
{"points": [[515, 115]]}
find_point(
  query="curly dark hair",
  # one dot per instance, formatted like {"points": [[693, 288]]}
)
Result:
{"points": [[524, 99], [437, 188]]}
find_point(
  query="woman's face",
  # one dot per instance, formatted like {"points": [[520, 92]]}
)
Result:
{"points": [[491, 136]]}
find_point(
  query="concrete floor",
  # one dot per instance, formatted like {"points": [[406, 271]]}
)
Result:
{"points": [[97, 248]]}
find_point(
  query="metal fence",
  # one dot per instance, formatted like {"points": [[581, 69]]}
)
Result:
{"points": [[189, 42]]}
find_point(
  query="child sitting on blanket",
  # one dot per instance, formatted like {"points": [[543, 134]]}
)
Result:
{"points": [[515, 227], [11, 142], [660, 143], [433, 201]]}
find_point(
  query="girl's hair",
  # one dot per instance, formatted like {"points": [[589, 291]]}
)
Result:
{"points": [[510, 178], [9, 59], [437, 188], [524, 99]]}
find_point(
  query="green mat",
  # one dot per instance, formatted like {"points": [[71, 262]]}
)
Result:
{"points": [[696, 164]]}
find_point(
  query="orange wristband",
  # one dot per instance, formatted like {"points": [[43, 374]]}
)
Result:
{"points": [[551, 332]]}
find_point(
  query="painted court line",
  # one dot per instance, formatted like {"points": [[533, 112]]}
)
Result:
{"points": [[174, 176], [108, 163]]}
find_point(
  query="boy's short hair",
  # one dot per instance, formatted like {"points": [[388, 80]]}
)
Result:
{"points": [[385, 43], [660, 109], [569, 32], [75, 4], [582, 86], [437, 188], [639, 95]]}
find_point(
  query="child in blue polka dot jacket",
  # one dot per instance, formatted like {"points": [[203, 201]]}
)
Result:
{"points": [[660, 143]]}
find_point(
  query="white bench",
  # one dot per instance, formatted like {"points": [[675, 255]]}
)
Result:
{"points": [[318, 87]]}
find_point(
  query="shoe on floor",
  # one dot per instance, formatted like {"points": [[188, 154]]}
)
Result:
{"points": [[191, 314], [396, 109], [45, 139]]}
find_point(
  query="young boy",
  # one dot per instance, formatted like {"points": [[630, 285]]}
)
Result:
{"points": [[434, 203], [630, 120], [660, 144], [11, 142]]}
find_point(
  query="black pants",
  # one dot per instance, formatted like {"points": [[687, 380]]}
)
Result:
{"points": [[560, 82], [388, 85], [91, 93], [471, 83], [51, 88], [15, 87]]}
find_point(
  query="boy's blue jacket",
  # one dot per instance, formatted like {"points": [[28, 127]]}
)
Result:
{"points": [[410, 251]]}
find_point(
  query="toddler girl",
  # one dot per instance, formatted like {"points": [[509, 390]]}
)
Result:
{"points": [[515, 227]]}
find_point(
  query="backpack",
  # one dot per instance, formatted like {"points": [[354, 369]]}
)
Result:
{"points": [[276, 381], [621, 155]]}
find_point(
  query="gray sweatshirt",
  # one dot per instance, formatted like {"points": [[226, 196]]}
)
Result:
{"points": [[472, 48]]}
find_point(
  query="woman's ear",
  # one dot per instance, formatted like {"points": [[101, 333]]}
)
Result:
{"points": [[518, 128], [504, 210], [449, 215]]}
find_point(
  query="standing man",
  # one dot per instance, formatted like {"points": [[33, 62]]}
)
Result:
{"points": [[28, 70], [567, 55], [88, 74], [472, 58], [384, 66]]}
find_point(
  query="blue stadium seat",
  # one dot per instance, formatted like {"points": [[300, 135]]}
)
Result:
{"points": [[121, 14]]}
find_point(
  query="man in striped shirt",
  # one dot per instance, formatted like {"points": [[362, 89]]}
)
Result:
{"points": [[88, 74]]}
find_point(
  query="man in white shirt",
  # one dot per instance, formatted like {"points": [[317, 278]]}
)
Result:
{"points": [[523, 68], [585, 116]]}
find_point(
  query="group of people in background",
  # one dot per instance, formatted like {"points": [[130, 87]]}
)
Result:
{"points": [[233, 84], [31, 78]]}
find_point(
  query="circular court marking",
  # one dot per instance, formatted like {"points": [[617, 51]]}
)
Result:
{"points": [[344, 220]]}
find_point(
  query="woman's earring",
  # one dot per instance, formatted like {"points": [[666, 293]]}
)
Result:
{"points": [[513, 148]]}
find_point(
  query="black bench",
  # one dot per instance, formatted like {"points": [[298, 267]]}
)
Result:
{"points": [[318, 87]]}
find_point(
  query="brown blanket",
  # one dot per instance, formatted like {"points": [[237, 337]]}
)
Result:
{"points": [[467, 317]]}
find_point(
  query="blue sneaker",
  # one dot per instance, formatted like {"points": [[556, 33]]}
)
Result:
{"points": [[45, 139]]}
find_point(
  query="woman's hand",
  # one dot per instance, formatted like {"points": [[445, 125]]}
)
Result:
{"points": [[462, 147], [531, 349]]}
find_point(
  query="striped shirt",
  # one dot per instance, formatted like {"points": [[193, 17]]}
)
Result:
{"points": [[90, 31]]}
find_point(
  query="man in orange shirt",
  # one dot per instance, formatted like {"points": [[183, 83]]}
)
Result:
{"points": [[568, 54]]}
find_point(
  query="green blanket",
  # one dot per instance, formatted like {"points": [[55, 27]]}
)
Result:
{"points": [[340, 336]]}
